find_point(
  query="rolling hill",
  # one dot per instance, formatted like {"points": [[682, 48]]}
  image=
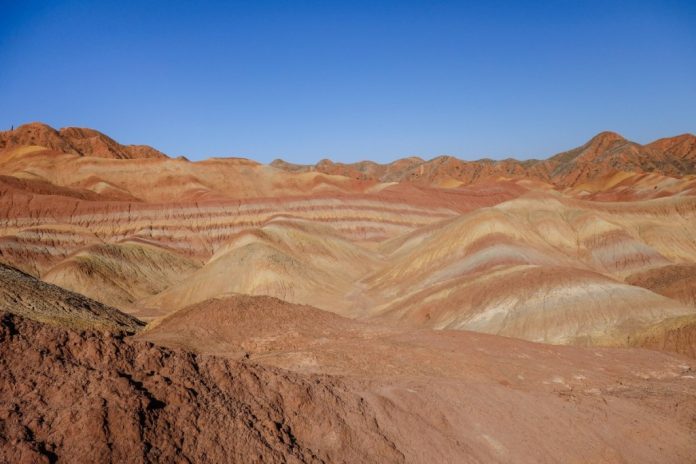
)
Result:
{"points": [[156, 309]]}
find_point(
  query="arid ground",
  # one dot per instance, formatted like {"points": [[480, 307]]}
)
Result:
{"points": [[154, 309]]}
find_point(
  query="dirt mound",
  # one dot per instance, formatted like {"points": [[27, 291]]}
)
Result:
{"points": [[24, 295], [88, 397], [457, 396], [399, 396], [237, 325]]}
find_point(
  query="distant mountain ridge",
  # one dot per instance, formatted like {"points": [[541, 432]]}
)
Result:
{"points": [[603, 155]]}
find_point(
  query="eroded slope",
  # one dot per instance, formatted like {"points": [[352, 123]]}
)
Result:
{"points": [[457, 396], [70, 396], [24, 295]]}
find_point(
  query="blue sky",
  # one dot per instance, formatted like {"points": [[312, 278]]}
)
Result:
{"points": [[304, 80]]}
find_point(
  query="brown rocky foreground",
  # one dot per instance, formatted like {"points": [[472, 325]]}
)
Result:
{"points": [[291, 383], [92, 397]]}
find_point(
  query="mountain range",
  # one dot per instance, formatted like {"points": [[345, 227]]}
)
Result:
{"points": [[417, 311]]}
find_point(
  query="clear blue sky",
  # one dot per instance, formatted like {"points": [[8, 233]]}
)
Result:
{"points": [[351, 80]]}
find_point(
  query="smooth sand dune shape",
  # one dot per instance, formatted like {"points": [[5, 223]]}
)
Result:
{"points": [[419, 311]]}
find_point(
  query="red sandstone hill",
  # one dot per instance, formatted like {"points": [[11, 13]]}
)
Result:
{"points": [[604, 154], [405, 290], [150, 236], [79, 141]]}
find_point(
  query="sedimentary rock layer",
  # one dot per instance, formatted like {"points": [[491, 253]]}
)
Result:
{"points": [[589, 246], [24, 295]]}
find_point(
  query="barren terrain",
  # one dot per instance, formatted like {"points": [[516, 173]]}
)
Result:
{"points": [[156, 309]]}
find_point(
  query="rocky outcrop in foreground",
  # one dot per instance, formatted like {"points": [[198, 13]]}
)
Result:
{"points": [[69, 396], [274, 382]]}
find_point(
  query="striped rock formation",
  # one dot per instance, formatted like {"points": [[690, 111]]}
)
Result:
{"points": [[588, 247], [410, 312]]}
